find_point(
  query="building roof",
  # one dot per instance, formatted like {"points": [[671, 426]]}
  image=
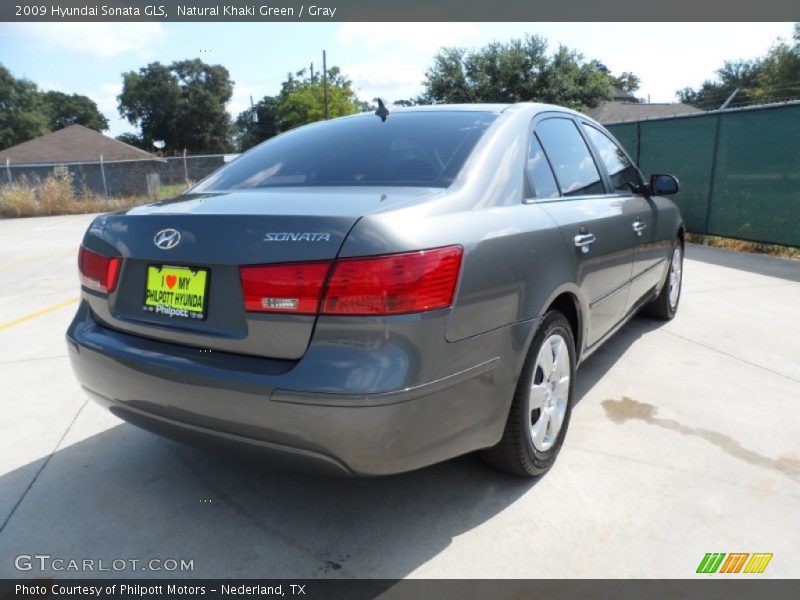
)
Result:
{"points": [[617, 93], [615, 111], [75, 143]]}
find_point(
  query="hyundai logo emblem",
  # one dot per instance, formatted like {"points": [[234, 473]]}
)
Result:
{"points": [[167, 239]]}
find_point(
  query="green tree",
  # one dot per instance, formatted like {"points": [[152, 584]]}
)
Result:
{"points": [[26, 112], [570, 81], [627, 82], [133, 140], [64, 110], [516, 71], [446, 80], [770, 78], [301, 100], [22, 114], [739, 74], [182, 104], [779, 77], [251, 132]]}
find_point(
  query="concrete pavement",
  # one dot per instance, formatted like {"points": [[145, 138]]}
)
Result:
{"points": [[684, 441]]}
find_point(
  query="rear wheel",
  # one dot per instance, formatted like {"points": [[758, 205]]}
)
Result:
{"points": [[666, 303], [542, 404]]}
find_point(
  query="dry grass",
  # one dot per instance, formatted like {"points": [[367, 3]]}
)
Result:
{"points": [[55, 195], [743, 246]]}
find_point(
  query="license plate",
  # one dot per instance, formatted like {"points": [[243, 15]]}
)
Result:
{"points": [[176, 291]]}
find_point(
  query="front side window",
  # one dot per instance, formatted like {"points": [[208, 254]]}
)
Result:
{"points": [[572, 162], [620, 169], [416, 148]]}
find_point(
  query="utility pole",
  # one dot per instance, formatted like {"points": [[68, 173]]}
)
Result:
{"points": [[729, 100], [253, 113], [325, 82], [312, 72]]}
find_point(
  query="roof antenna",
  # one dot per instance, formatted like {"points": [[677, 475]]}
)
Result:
{"points": [[382, 111]]}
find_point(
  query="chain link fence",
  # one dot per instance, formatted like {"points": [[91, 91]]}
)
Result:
{"points": [[119, 177], [739, 169]]}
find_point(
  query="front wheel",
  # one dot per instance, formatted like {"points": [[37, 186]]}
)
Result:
{"points": [[542, 404], [666, 303]]}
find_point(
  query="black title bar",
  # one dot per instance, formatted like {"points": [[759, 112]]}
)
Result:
{"points": [[399, 10], [708, 588]]}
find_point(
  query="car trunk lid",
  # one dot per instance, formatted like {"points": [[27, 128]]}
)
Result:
{"points": [[220, 233]]}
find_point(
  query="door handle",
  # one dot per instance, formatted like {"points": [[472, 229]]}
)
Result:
{"points": [[584, 240], [639, 227]]}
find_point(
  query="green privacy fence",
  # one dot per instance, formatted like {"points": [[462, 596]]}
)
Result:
{"points": [[739, 169]]}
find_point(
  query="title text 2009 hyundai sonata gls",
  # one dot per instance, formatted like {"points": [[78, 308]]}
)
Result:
{"points": [[380, 292]]}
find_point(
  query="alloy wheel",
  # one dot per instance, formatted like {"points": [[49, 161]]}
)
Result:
{"points": [[675, 274], [549, 392]]}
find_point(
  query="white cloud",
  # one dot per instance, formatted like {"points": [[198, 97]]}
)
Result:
{"points": [[393, 80], [105, 95], [395, 55], [399, 38], [103, 40], [381, 73]]}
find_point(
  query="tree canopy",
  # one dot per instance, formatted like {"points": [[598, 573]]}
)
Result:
{"points": [[520, 70], [134, 140], [73, 109], [770, 78], [26, 112], [182, 104], [21, 110], [300, 101], [627, 82], [249, 132]]}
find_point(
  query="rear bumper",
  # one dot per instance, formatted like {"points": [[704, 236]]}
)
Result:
{"points": [[290, 412]]}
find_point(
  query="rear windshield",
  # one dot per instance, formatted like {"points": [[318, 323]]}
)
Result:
{"points": [[408, 149]]}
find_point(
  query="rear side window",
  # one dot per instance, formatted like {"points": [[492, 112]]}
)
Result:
{"points": [[619, 168], [408, 149], [568, 153], [540, 175]]}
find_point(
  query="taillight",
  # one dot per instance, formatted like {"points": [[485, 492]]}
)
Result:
{"points": [[98, 272], [393, 284], [289, 288], [376, 285]]}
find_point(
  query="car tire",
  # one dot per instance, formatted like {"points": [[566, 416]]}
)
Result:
{"points": [[542, 405], [665, 305]]}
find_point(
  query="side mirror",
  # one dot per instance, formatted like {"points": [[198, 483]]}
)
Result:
{"points": [[664, 185]]}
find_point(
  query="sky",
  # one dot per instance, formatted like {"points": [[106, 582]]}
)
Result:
{"points": [[382, 59]]}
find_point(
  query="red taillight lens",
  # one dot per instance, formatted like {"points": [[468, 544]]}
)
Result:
{"points": [[398, 283], [98, 272], [379, 285], [288, 288]]}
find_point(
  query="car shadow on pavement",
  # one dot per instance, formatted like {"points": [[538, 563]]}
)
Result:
{"points": [[128, 494]]}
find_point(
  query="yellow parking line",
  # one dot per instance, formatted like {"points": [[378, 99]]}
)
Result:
{"points": [[38, 313]]}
